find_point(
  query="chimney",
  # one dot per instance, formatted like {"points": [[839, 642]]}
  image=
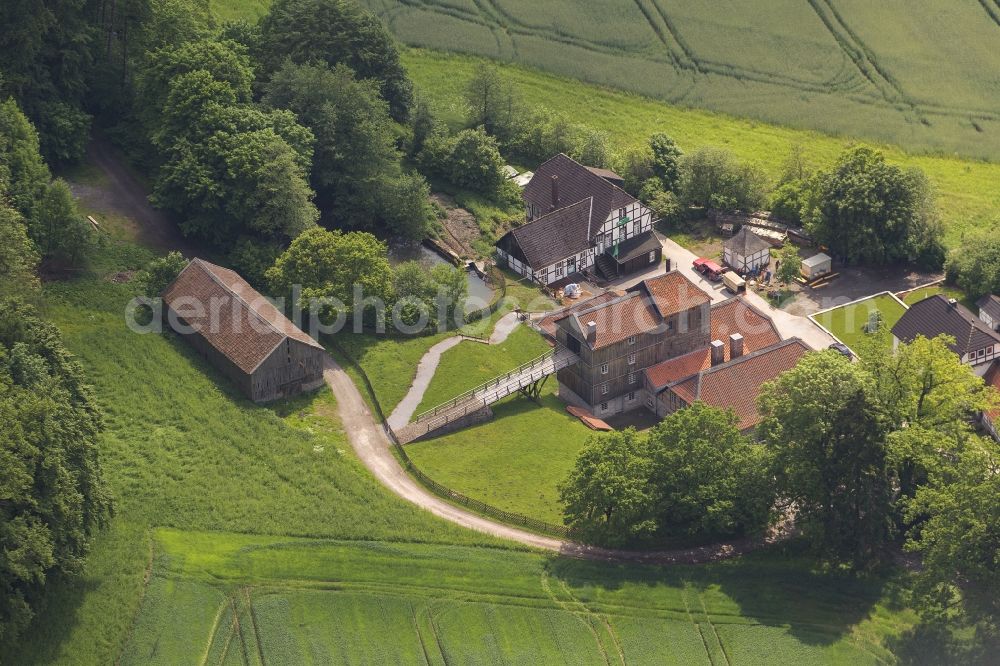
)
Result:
{"points": [[718, 352], [735, 346], [555, 192], [591, 331]]}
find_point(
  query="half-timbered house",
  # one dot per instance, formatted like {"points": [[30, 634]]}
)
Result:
{"points": [[579, 219]]}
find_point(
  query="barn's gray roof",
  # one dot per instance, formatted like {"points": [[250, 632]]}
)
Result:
{"points": [[936, 316], [990, 304], [746, 243], [247, 327]]}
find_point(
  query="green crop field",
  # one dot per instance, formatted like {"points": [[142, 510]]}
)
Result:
{"points": [[847, 322], [223, 598], [918, 75]]}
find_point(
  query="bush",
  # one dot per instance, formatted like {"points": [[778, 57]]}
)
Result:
{"points": [[712, 177]]}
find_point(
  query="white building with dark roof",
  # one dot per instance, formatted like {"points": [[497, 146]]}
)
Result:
{"points": [[579, 219]]}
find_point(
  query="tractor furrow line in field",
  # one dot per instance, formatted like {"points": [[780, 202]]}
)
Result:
{"points": [[676, 36], [825, 14], [599, 617], [658, 30], [718, 638], [420, 636], [583, 617], [229, 640], [991, 7], [212, 631], [253, 623], [245, 652]]}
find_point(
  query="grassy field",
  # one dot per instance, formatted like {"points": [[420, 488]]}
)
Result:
{"points": [[847, 322], [472, 363], [183, 449], [967, 194], [917, 76], [228, 598], [514, 461]]}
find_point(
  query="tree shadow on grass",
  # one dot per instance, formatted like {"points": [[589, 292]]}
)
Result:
{"points": [[777, 587]]}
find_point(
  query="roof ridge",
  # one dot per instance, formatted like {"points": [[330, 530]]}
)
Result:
{"points": [[249, 307], [591, 173], [551, 212], [759, 352]]}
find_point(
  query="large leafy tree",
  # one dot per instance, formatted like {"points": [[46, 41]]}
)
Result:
{"points": [[607, 494], [229, 169], [867, 210], [46, 56], [58, 228], [707, 477], [329, 264], [18, 258], [355, 163], [666, 162], [53, 496], [827, 431], [713, 177], [975, 264], [336, 32], [958, 535], [22, 169]]}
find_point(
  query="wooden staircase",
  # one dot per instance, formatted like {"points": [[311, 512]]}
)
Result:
{"points": [[606, 267]]}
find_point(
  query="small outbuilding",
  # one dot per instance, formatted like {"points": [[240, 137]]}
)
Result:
{"points": [[746, 251], [241, 333], [816, 265]]}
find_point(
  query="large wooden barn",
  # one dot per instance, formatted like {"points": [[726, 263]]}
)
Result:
{"points": [[241, 333]]}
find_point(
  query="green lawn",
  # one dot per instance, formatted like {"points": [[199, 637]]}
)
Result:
{"points": [[848, 321], [183, 449], [327, 601], [514, 461], [472, 363], [948, 291]]}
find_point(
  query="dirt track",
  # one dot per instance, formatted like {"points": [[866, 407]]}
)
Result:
{"points": [[372, 445]]}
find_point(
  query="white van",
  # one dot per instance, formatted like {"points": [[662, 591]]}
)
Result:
{"points": [[734, 282]]}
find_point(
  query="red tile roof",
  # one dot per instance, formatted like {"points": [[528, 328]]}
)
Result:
{"points": [[246, 328], [549, 323], [734, 315], [619, 319], [672, 293], [736, 384]]}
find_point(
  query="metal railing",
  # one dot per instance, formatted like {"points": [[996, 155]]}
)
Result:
{"points": [[499, 380]]}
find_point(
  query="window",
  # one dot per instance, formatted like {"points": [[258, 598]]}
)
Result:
{"points": [[559, 269], [631, 396], [631, 359], [631, 379], [631, 339], [604, 406], [652, 257], [604, 389], [604, 368], [982, 353]]}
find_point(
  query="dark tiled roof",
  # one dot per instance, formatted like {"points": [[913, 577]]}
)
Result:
{"points": [[730, 316], [991, 305], [576, 183], [636, 246], [746, 243], [606, 174], [735, 385], [555, 236], [935, 316], [248, 328]]}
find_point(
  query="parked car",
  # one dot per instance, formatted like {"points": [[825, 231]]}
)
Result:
{"points": [[708, 268], [843, 349]]}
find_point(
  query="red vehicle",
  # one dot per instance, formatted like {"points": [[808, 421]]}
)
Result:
{"points": [[708, 268]]}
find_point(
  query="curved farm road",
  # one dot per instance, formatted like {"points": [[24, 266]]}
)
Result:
{"points": [[372, 445]]}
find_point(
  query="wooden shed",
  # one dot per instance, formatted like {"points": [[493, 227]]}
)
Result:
{"points": [[241, 333], [816, 265], [746, 251]]}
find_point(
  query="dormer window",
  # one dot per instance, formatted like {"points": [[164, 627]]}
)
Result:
{"points": [[631, 339], [604, 368]]}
